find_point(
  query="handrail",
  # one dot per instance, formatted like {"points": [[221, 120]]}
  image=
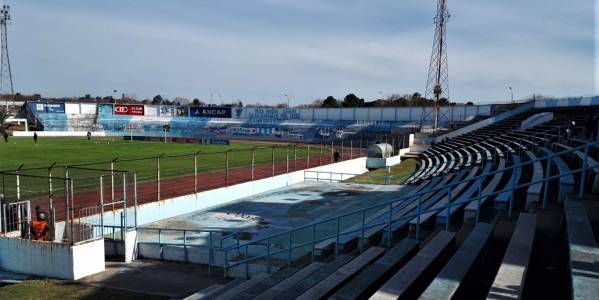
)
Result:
{"points": [[447, 206]]}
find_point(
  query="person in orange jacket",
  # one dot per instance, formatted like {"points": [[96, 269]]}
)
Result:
{"points": [[39, 228]]}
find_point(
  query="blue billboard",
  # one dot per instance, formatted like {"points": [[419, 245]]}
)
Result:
{"points": [[37, 107], [57, 108], [210, 112]]}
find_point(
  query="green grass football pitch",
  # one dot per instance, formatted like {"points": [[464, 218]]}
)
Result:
{"points": [[35, 158]]}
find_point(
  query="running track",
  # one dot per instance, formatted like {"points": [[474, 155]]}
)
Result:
{"points": [[87, 203]]}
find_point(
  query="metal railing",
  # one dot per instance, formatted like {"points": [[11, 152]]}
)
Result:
{"points": [[387, 209]]}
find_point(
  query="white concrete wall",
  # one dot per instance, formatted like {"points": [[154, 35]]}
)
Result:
{"points": [[565, 102], [59, 133], [72, 108], [88, 259], [54, 260], [88, 109]]}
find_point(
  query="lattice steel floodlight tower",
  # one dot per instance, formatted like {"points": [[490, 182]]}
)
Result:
{"points": [[6, 85], [437, 84]]}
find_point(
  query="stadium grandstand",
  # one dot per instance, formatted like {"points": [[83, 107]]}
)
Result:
{"points": [[500, 206], [205, 123]]}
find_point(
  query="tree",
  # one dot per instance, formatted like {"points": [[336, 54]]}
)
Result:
{"points": [[197, 102], [330, 101], [181, 101], [469, 103], [157, 99], [352, 100]]}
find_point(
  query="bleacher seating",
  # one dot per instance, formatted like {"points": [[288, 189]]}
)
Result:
{"points": [[424, 249]]}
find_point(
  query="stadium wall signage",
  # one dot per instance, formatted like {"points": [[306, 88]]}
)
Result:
{"points": [[55, 108], [128, 109], [210, 112], [37, 107], [105, 109]]}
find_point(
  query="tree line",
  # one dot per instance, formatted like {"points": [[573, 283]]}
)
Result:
{"points": [[351, 100]]}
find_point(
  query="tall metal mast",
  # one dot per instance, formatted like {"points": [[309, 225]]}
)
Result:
{"points": [[6, 86], [437, 84]]}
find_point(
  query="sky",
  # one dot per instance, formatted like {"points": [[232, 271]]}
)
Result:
{"points": [[258, 51]]}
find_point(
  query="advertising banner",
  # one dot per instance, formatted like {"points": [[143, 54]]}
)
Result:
{"points": [[167, 111], [37, 107], [105, 109], [210, 112], [55, 108], [129, 109]]}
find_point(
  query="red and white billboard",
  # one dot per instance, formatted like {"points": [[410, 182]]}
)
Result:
{"points": [[128, 109]]}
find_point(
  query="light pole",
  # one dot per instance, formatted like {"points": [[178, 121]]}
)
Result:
{"points": [[512, 93], [382, 97], [221, 98], [288, 107]]}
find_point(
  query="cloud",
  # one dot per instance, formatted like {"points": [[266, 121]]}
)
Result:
{"points": [[261, 50]]}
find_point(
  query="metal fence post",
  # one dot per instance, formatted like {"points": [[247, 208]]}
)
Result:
{"points": [[308, 160], [112, 180], [135, 199], [351, 149], [320, 158], [273, 160], [195, 172], [295, 157], [227, 168], [18, 183], [253, 161], [102, 205], [157, 179], [360, 147], [66, 199], [72, 210], [332, 152], [342, 150], [287, 158]]}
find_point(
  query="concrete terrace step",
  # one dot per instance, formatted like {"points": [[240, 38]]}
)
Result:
{"points": [[215, 290], [331, 283], [314, 278], [263, 285], [533, 193], [290, 281], [447, 283], [404, 284], [509, 281], [584, 253], [372, 277], [205, 293], [242, 286]]}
